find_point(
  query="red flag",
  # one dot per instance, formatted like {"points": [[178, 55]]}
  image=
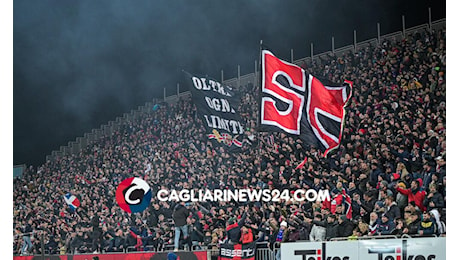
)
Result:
{"points": [[299, 104], [302, 163]]}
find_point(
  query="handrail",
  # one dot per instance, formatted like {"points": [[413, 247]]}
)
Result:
{"points": [[363, 238]]}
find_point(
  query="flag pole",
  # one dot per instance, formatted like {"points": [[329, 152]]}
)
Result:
{"points": [[259, 85]]}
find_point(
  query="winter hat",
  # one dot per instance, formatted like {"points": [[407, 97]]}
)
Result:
{"points": [[284, 223], [402, 185], [172, 256], [231, 220]]}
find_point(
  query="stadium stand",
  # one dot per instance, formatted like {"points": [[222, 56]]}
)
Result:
{"points": [[391, 163]]}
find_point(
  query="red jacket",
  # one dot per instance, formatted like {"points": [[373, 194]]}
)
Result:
{"points": [[418, 197], [340, 199], [247, 238]]}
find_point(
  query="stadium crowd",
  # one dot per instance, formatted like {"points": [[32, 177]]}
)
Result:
{"points": [[390, 164]]}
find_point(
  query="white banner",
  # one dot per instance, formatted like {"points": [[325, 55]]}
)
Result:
{"points": [[376, 249], [428, 248], [339, 250]]}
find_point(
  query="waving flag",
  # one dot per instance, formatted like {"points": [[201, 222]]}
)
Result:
{"points": [[72, 201], [299, 104], [217, 106]]}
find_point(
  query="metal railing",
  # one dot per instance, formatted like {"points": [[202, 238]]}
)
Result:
{"points": [[263, 252]]}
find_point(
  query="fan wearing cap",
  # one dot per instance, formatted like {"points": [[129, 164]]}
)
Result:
{"points": [[345, 228], [234, 228], [387, 225], [414, 194], [279, 234], [282, 235]]}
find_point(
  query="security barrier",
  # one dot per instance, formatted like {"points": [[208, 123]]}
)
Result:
{"points": [[366, 248], [197, 255]]}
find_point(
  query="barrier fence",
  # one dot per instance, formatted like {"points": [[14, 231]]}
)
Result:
{"points": [[368, 248]]}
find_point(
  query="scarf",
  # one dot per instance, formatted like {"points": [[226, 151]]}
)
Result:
{"points": [[279, 237]]}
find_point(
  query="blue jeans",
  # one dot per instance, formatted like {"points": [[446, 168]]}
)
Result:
{"points": [[196, 244], [27, 244], [177, 235]]}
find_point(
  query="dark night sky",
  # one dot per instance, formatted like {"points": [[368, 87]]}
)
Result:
{"points": [[79, 64]]}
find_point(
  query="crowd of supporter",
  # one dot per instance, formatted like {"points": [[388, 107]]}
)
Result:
{"points": [[388, 177]]}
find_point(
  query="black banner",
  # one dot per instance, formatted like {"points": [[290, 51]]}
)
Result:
{"points": [[237, 251], [217, 107]]}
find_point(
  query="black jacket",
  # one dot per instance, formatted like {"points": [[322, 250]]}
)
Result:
{"points": [[368, 206], [234, 230], [197, 233], [345, 229], [332, 229], [180, 215], [413, 227], [117, 244], [437, 199], [393, 212]]}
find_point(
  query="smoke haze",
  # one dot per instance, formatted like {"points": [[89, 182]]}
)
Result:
{"points": [[80, 64]]}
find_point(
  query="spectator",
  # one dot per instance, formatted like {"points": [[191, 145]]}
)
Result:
{"points": [[414, 194], [387, 226], [246, 235], [414, 223], [118, 243], [427, 225], [27, 234], [392, 210], [180, 216], [97, 232], [331, 225], [374, 224], [282, 236], [318, 232], [400, 228], [394, 128], [369, 202], [434, 200], [234, 228], [197, 233], [345, 227]]}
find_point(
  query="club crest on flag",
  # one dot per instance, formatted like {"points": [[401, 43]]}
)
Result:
{"points": [[225, 138]]}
